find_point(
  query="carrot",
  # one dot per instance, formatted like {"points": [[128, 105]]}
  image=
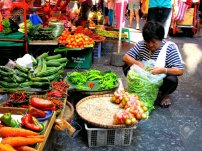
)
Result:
{"points": [[10, 131], [6, 147], [25, 148], [38, 136], [21, 141]]}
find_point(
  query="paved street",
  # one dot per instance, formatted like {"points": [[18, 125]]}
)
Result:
{"points": [[177, 128]]}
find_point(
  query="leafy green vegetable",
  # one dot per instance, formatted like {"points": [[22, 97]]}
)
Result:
{"points": [[6, 23], [106, 80]]}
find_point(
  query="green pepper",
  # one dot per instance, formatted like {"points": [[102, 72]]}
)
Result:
{"points": [[8, 120]]}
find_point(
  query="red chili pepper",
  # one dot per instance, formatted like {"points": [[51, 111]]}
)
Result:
{"points": [[54, 93], [41, 103], [31, 123], [91, 85]]}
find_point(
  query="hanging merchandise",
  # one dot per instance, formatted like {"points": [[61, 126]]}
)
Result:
{"points": [[57, 26], [35, 19]]}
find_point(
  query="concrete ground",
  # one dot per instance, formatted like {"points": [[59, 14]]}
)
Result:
{"points": [[177, 128]]}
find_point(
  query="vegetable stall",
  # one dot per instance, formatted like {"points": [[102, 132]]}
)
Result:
{"points": [[35, 85]]}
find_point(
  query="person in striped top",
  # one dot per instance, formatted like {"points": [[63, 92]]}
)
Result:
{"points": [[149, 48]]}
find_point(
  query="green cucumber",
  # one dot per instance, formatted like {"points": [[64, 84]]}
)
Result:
{"points": [[21, 74], [25, 84], [5, 84], [21, 68], [43, 55], [6, 69], [39, 84], [48, 72], [39, 79], [52, 64], [8, 79], [19, 79], [58, 56], [43, 62], [61, 60]]}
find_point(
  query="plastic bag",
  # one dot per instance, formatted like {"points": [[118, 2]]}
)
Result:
{"points": [[144, 84]]}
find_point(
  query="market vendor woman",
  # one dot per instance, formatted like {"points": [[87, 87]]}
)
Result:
{"points": [[150, 48]]}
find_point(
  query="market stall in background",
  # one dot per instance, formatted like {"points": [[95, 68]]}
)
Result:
{"points": [[44, 56]]}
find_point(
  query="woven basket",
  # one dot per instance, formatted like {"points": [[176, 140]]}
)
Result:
{"points": [[69, 111], [98, 110]]}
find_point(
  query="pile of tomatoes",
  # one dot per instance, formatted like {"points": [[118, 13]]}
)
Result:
{"points": [[134, 109], [75, 41]]}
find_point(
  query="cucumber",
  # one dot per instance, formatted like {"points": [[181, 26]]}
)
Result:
{"points": [[21, 74], [43, 62], [3, 73], [52, 64], [5, 84], [63, 65], [49, 78], [43, 55], [47, 72], [40, 79], [21, 68], [61, 60], [58, 56], [19, 79], [39, 66], [39, 84], [6, 69], [25, 84], [8, 79]]}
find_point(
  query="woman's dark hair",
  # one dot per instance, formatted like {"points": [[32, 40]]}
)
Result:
{"points": [[153, 30]]}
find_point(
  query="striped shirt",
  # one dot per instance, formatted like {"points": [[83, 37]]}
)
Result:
{"points": [[140, 52]]}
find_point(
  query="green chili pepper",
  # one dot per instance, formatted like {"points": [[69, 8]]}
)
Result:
{"points": [[8, 120]]}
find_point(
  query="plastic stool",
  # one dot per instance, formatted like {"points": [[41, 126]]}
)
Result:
{"points": [[97, 49], [125, 30]]}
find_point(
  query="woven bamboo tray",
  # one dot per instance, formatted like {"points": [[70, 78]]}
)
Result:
{"points": [[98, 110]]}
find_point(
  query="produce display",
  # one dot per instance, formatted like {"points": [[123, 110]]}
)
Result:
{"points": [[75, 41], [41, 33], [134, 109], [46, 70], [110, 34], [92, 80], [89, 33]]}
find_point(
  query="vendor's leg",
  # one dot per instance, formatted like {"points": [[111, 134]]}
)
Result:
{"points": [[169, 86]]}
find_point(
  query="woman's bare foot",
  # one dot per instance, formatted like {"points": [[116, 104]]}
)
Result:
{"points": [[165, 102]]}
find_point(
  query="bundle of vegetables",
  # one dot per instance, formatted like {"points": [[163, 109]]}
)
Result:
{"points": [[47, 70], [14, 77], [9, 26], [145, 85], [14, 139], [39, 33], [22, 26], [106, 80]]}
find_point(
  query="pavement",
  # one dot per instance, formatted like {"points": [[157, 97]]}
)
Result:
{"points": [[177, 128]]}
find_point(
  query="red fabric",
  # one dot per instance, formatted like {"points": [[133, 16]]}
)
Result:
{"points": [[189, 3], [181, 11]]}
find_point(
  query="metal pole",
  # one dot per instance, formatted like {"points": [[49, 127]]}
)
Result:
{"points": [[25, 23], [120, 28]]}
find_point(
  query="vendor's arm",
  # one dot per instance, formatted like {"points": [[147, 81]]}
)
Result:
{"points": [[173, 65], [168, 71], [130, 61], [133, 55]]}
